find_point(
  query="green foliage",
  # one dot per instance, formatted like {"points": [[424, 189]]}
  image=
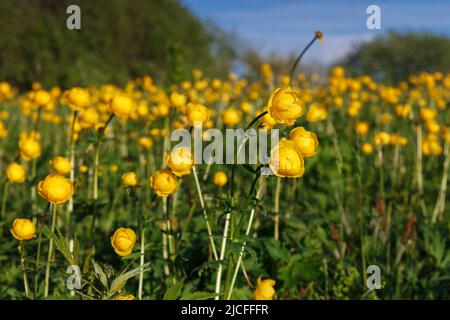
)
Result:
{"points": [[117, 40], [395, 57]]}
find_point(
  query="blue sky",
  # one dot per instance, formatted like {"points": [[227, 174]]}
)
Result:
{"points": [[285, 26]]}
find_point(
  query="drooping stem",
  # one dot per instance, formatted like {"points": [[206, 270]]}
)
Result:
{"points": [[50, 251], [296, 62], [205, 214]]}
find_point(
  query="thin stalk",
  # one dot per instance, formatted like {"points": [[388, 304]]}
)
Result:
{"points": [[50, 251], [4, 198], [205, 214], [241, 252], [38, 253], [69, 226], [294, 66], [222, 254], [22, 264], [276, 209], [141, 262], [440, 202]]}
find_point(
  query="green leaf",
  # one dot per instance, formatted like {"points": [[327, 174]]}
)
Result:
{"points": [[101, 275], [120, 281], [199, 295], [174, 292]]}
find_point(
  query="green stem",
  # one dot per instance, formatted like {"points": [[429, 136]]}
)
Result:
{"points": [[440, 202], [276, 231], [38, 253], [294, 66], [205, 214], [50, 251], [247, 232], [22, 264]]}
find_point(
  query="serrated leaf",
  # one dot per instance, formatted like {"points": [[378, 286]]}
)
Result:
{"points": [[174, 292], [100, 274]]}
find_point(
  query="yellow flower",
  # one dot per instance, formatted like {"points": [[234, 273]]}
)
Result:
{"points": [[78, 98], [23, 229], [381, 138], [197, 113], [56, 189], [246, 106], [124, 297], [178, 100], [42, 98], [60, 165], [122, 105], [180, 161], [286, 160], [286, 105], [145, 142], [367, 148], [114, 168], [163, 182], [267, 122], [264, 289], [220, 179], [231, 116], [84, 169], [306, 141], [15, 173], [266, 70], [316, 112], [123, 241], [427, 114], [403, 110], [362, 128], [130, 179], [89, 118], [30, 148]]}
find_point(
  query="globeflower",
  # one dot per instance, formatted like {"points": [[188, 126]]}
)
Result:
{"points": [[220, 179], [61, 165], [305, 141], [130, 179], [23, 229], [15, 173], [78, 98], [367, 148], [56, 189], [286, 160], [163, 182], [316, 112], [286, 105], [42, 98], [122, 105], [30, 148], [123, 241], [362, 128], [180, 161], [197, 113], [231, 117], [264, 289]]}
